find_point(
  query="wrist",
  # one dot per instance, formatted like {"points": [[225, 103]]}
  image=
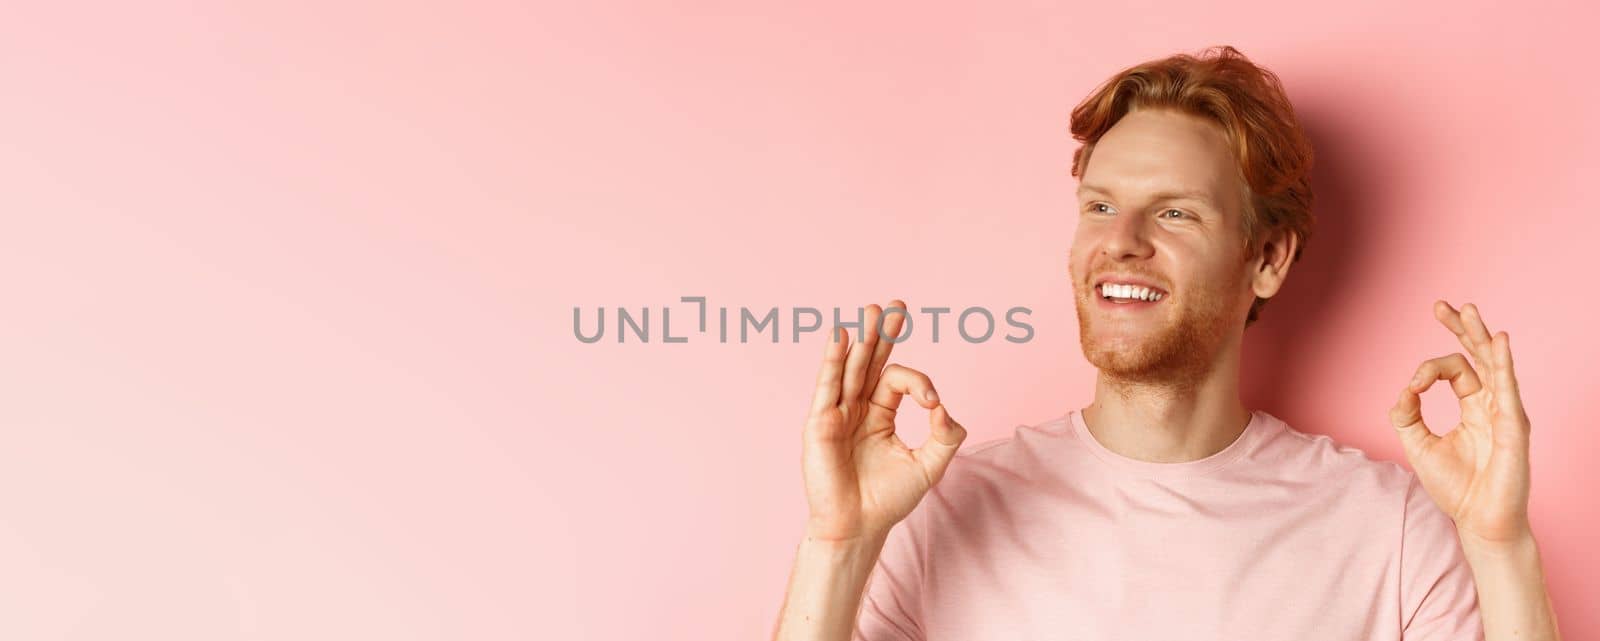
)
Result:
{"points": [[849, 559], [872, 540], [1519, 547], [1509, 576], [835, 534]]}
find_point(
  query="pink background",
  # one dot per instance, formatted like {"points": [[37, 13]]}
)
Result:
{"points": [[287, 346]]}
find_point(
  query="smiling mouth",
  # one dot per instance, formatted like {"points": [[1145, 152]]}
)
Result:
{"points": [[1129, 294]]}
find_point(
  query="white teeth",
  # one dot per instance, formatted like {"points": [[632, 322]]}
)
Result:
{"points": [[1109, 290]]}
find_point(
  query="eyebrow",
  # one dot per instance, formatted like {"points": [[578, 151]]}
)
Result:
{"points": [[1165, 195]]}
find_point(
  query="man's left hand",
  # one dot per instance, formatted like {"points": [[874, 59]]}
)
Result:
{"points": [[1478, 472]]}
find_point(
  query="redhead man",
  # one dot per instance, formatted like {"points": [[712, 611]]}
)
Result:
{"points": [[1165, 509]]}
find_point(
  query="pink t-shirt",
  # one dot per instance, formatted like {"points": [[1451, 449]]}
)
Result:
{"points": [[1282, 535]]}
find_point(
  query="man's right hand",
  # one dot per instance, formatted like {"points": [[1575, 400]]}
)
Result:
{"points": [[860, 477]]}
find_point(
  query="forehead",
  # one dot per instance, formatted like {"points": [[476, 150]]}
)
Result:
{"points": [[1153, 151]]}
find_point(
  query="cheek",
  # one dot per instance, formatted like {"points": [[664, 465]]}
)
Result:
{"points": [[1218, 278], [1078, 251], [1077, 264]]}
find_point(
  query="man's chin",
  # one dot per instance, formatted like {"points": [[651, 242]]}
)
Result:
{"points": [[1124, 337], [1111, 359], [1151, 354]]}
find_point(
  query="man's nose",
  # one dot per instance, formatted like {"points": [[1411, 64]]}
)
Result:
{"points": [[1128, 237]]}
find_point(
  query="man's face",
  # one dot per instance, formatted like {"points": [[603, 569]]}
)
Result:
{"points": [[1160, 203]]}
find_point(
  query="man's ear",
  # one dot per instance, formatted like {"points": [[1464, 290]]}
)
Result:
{"points": [[1276, 256]]}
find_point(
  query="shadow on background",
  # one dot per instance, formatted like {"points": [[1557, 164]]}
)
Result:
{"points": [[1315, 289]]}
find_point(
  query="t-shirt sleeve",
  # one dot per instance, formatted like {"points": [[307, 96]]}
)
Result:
{"points": [[1438, 598], [891, 603]]}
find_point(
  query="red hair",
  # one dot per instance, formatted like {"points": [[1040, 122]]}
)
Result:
{"points": [[1249, 104]]}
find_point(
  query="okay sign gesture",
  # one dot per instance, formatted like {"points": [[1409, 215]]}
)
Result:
{"points": [[860, 477], [1478, 472]]}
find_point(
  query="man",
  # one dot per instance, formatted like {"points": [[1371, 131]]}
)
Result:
{"points": [[1165, 509]]}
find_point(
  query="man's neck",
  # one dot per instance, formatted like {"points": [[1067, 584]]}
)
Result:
{"points": [[1165, 423]]}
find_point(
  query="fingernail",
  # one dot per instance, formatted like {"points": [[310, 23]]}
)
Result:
{"points": [[930, 395]]}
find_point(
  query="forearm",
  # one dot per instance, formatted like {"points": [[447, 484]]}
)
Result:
{"points": [[825, 585], [1512, 599]]}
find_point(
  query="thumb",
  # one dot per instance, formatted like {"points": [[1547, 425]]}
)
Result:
{"points": [[943, 441], [1406, 417]]}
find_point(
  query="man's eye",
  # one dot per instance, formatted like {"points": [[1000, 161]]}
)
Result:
{"points": [[1181, 213], [1099, 208]]}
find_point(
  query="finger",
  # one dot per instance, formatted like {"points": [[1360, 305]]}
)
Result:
{"points": [[1480, 337], [1457, 324], [893, 321], [1451, 319], [898, 381], [1406, 418], [1454, 367], [829, 375], [1508, 395], [944, 440], [855, 367]]}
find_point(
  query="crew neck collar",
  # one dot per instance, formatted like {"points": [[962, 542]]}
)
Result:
{"points": [[1254, 431]]}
